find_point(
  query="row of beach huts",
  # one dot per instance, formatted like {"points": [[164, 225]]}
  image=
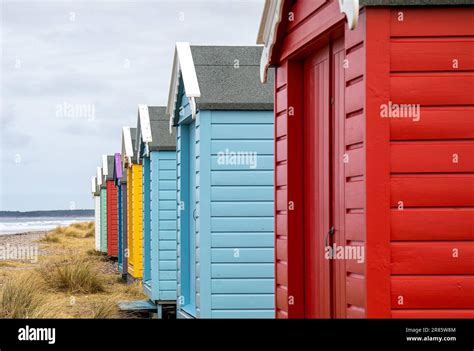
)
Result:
{"points": [[272, 185]]}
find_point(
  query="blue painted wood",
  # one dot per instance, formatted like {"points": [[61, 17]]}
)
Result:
{"points": [[122, 252], [160, 274], [242, 270], [233, 240], [146, 218], [242, 193], [261, 147], [242, 255], [192, 216], [231, 261], [243, 301], [119, 227], [243, 314], [243, 286]]}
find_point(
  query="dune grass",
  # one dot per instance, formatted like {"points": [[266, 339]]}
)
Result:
{"points": [[73, 276], [20, 297], [72, 280]]}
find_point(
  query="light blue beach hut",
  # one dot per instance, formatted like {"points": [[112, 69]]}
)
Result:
{"points": [[157, 150], [225, 147]]}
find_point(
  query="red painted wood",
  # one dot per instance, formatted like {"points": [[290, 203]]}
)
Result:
{"points": [[355, 226], [112, 219], [295, 191], [440, 123], [281, 150], [316, 184], [355, 64], [355, 287], [280, 175], [433, 292], [317, 23], [377, 163], [436, 190], [355, 129], [339, 168], [452, 257], [301, 10], [353, 266], [355, 312], [432, 224], [355, 96], [355, 165], [280, 126], [281, 100], [431, 22], [432, 157], [281, 221], [356, 37], [432, 54], [282, 278], [433, 89], [355, 195], [417, 51]]}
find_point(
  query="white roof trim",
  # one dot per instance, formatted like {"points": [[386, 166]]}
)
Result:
{"points": [[127, 149], [183, 66], [271, 19], [94, 185], [105, 167], [351, 9], [99, 176], [145, 127]]}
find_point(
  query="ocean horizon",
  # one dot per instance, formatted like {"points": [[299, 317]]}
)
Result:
{"points": [[18, 225]]}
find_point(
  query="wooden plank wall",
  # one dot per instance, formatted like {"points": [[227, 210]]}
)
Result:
{"points": [[432, 163]]}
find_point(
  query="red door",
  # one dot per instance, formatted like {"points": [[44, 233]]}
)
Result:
{"points": [[323, 105]]}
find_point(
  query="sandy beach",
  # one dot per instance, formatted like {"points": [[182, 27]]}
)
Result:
{"points": [[66, 278]]}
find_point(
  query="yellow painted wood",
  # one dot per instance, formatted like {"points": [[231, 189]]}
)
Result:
{"points": [[129, 252], [136, 242]]}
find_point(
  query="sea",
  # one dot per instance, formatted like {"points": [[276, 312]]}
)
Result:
{"points": [[16, 225]]}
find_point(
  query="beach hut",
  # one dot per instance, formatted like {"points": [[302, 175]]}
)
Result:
{"points": [[374, 135], [118, 171], [127, 153], [103, 205], [134, 213], [112, 208], [157, 149], [224, 121], [96, 194]]}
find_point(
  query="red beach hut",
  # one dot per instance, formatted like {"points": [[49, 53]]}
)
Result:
{"points": [[112, 209], [374, 161]]}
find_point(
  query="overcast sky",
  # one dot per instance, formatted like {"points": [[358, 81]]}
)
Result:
{"points": [[73, 73]]}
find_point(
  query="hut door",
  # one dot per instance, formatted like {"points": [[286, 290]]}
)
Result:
{"points": [[319, 181]]}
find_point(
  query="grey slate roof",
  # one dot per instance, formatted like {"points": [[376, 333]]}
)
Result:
{"points": [[159, 122], [133, 133], [414, 2], [228, 78], [110, 167], [123, 180]]}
